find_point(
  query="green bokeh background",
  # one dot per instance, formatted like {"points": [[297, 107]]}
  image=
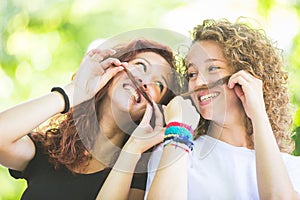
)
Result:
{"points": [[42, 43]]}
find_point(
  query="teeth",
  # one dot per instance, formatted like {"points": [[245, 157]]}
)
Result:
{"points": [[132, 92], [208, 96]]}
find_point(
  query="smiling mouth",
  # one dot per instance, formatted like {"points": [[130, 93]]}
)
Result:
{"points": [[208, 97], [133, 92]]}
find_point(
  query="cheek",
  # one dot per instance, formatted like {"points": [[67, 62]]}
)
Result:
{"points": [[155, 93], [232, 100], [230, 95], [192, 85], [195, 100], [155, 96]]}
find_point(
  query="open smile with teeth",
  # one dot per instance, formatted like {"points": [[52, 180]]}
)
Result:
{"points": [[208, 96], [133, 92]]}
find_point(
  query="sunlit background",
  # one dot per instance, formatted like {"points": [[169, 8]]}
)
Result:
{"points": [[42, 42]]}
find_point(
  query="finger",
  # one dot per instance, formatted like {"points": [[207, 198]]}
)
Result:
{"points": [[110, 73], [98, 55], [238, 90], [244, 74], [237, 80], [159, 120], [124, 64], [147, 116], [104, 65]]}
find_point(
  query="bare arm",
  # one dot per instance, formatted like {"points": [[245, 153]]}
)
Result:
{"points": [[16, 148], [120, 178], [143, 138], [171, 178], [272, 176], [170, 181]]}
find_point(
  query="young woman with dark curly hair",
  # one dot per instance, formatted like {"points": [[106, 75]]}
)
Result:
{"points": [[89, 147], [242, 144]]}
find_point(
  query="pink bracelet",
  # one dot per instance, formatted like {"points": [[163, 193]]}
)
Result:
{"points": [[181, 125]]}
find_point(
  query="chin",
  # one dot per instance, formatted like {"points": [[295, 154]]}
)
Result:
{"points": [[137, 114], [206, 114]]}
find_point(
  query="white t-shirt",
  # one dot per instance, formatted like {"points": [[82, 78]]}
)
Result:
{"points": [[218, 170]]}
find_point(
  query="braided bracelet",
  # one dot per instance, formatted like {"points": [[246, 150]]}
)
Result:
{"points": [[178, 145], [178, 140], [181, 125], [65, 96], [178, 130]]}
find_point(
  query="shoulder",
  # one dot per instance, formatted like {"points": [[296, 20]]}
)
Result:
{"points": [[292, 162], [39, 159]]}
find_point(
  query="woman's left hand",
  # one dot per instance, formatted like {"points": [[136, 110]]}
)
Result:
{"points": [[249, 90], [144, 136]]}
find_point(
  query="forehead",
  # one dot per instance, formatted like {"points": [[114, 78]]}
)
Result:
{"points": [[153, 58], [204, 50]]}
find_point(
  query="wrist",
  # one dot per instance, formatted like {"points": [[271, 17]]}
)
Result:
{"points": [[69, 90], [130, 147], [65, 104], [179, 135]]}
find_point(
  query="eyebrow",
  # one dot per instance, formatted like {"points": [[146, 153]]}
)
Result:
{"points": [[206, 61], [143, 60], [214, 59]]}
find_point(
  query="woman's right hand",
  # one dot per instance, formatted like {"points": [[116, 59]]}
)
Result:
{"points": [[93, 74], [144, 136], [181, 110]]}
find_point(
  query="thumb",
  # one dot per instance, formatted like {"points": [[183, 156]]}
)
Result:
{"points": [[147, 115], [239, 91]]}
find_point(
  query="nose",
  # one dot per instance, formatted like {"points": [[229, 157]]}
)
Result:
{"points": [[201, 80], [152, 90]]}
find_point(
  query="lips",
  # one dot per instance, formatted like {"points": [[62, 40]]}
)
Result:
{"points": [[133, 92]]}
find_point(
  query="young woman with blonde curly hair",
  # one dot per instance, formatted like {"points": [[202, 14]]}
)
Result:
{"points": [[242, 142]]}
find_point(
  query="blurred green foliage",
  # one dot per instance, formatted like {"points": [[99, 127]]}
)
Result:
{"points": [[296, 137], [42, 43]]}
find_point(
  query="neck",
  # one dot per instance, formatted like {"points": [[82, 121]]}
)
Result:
{"points": [[110, 140], [233, 132]]}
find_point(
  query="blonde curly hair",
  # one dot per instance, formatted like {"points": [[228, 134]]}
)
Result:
{"points": [[249, 49]]}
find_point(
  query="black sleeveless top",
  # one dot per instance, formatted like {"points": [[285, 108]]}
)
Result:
{"points": [[44, 182]]}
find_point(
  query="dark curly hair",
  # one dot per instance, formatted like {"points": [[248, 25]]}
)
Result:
{"points": [[60, 136], [249, 49]]}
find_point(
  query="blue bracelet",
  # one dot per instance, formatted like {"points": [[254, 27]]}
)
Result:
{"points": [[179, 131]]}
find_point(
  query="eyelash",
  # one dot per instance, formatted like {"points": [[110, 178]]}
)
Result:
{"points": [[143, 66], [192, 75], [213, 67], [160, 85]]}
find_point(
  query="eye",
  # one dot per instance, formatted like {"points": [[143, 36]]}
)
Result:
{"points": [[192, 75], [141, 65], [160, 85], [213, 68]]}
